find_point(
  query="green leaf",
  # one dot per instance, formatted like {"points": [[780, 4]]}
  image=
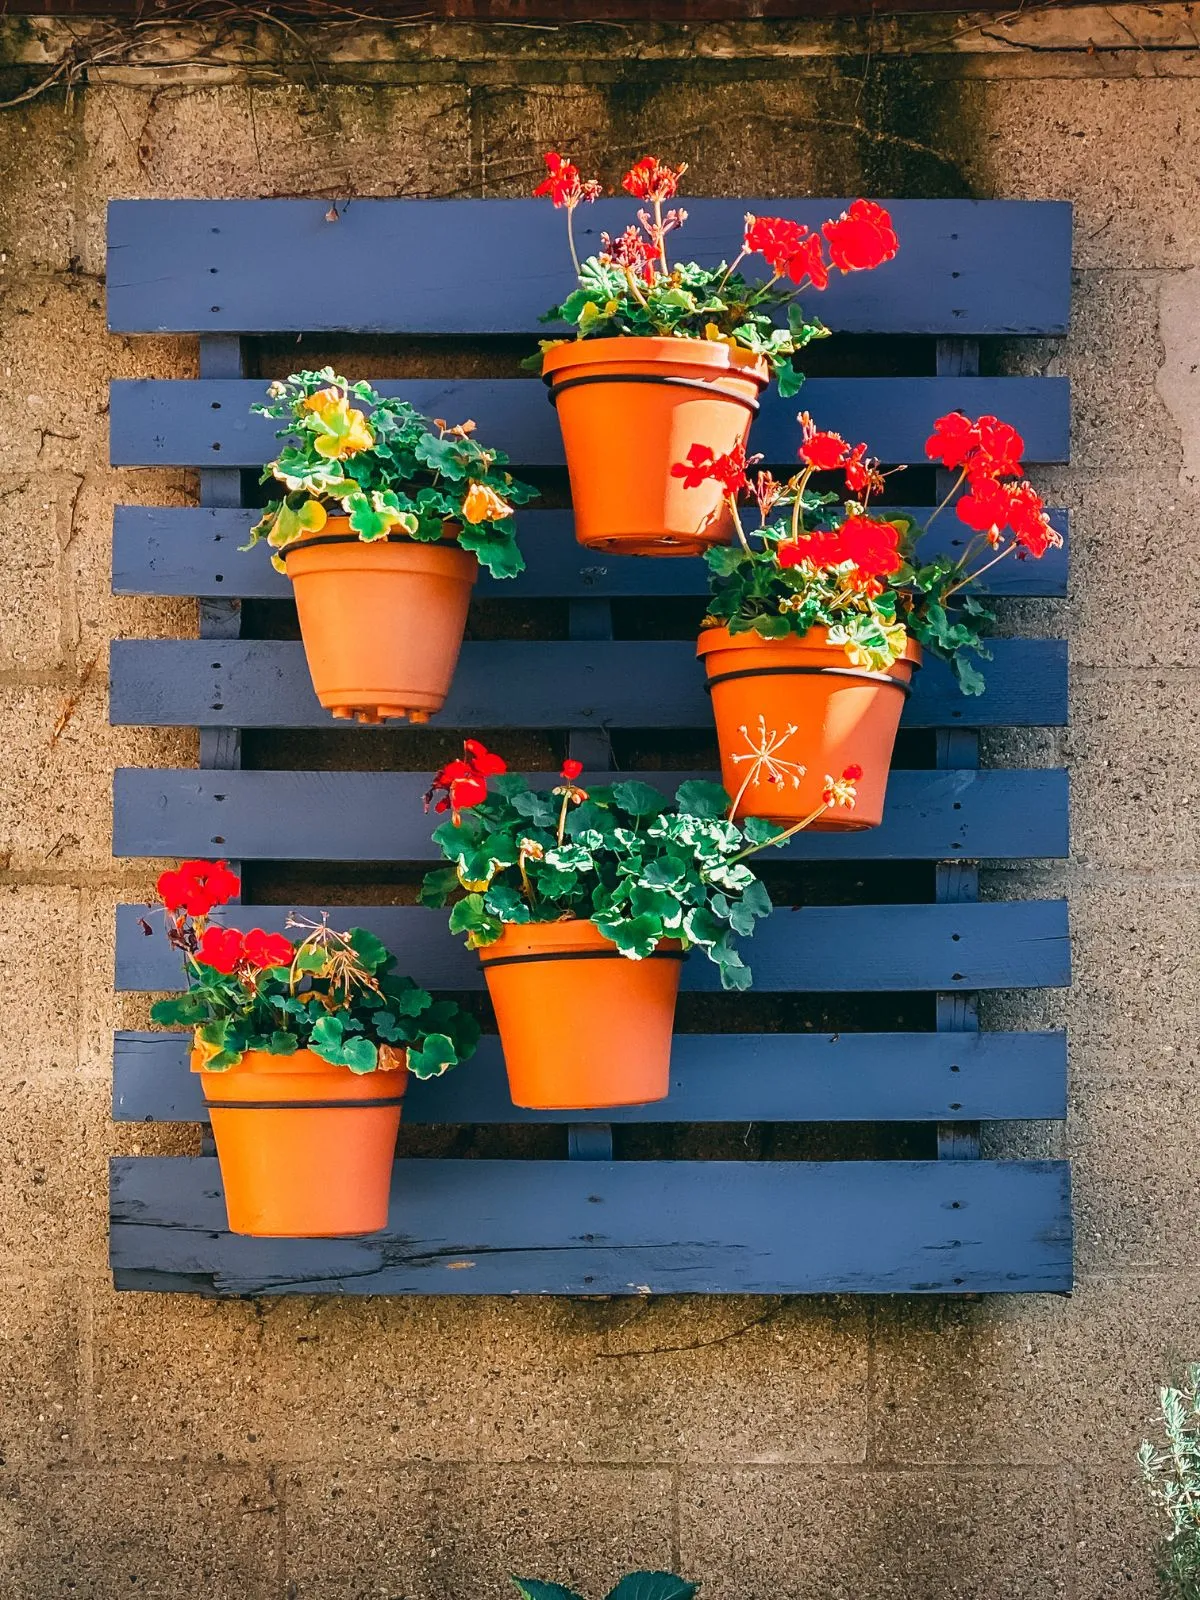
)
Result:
{"points": [[789, 379], [471, 916], [535, 1589], [183, 1010], [506, 903], [635, 937], [436, 1055], [371, 951], [639, 799], [360, 1055], [653, 1586], [327, 1035], [310, 960], [437, 886], [282, 1043], [702, 799]]}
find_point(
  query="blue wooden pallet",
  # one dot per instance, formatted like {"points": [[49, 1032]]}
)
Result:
{"points": [[589, 1223]]}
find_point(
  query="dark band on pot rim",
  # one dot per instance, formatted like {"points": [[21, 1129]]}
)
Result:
{"points": [[556, 387]]}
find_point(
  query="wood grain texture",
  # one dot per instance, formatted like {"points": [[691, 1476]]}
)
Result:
{"points": [[193, 550], [263, 683], [624, 1228], [187, 266], [844, 1077], [378, 816], [197, 422], [1004, 944]]}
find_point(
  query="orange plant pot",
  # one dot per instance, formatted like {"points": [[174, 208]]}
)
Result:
{"points": [[582, 1026], [628, 410], [783, 704], [305, 1149], [382, 623]]}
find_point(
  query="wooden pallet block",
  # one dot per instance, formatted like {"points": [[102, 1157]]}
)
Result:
{"points": [[590, 1224]]}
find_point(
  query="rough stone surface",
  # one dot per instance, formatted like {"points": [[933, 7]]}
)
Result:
{"points": [[110, 1534], [551, 1381], [321, 1449], [820, 1536], [426, 1531]]}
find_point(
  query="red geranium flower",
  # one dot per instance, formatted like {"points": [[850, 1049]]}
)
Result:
{"points": [[823, 549], [999, 450], [1029, 523], [853, 773], [861, 238], [221, 948], [571, 769], [985, 507], [630, 249], [462, 784], [862, 474], [823, 451], [954, 438], [652, 179], [562, 183], [483, 763], [871, 545], [268, 949], [195, 887], [788, 248]]}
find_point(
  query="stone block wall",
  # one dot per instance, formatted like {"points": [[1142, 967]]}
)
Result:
{"points": [[816, 1450]]}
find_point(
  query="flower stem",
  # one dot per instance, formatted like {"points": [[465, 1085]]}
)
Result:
{"points": [[571, 237], [731, 269], [780, 838], [937, 511]]}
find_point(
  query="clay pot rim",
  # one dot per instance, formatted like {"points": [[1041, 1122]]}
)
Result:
{"points": [[622, 348], [301, 1063], [814, 642], [564, 937]]}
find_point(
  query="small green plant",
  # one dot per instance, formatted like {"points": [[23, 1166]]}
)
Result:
{"points": [[631, 290], [633, 1586], [641, 867], [1171, 1472], [329, 992], [391, 472]]}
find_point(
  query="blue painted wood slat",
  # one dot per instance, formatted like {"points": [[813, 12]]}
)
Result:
{"points": [[843, 1077], [1004, 944], [265, 684], [378, 816], [193, 550], [624, 1228], [187, 266], [207, 422]]}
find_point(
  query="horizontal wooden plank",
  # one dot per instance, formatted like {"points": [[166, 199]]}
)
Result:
{"points": [[197, 266], [1008, 944], [623, 1228], [206, 422], [841, 1077], [378, 816], [193, 550], [264, 683]]}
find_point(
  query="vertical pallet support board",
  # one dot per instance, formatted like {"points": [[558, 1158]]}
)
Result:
{"points": [[591, 1222]]}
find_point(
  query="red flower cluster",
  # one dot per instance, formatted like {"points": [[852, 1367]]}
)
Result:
{"points": [[563, 185], [462, 784], [702, 466], [788, 248], [571, 769], [824, 452], [872, 547], [986, 452], [227, 949], [651, 179], [861, 238], [630, 249], [195, 887]]}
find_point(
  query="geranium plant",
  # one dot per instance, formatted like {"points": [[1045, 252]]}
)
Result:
{"points": [[334, 993], [387, 469], [641, 867], [820, 559], [631, 288]]}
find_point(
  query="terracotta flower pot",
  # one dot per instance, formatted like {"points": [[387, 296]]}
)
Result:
{"points": [[582, 1026], [783, 704], [382, 623], [629, 409], [306, 1149]]}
